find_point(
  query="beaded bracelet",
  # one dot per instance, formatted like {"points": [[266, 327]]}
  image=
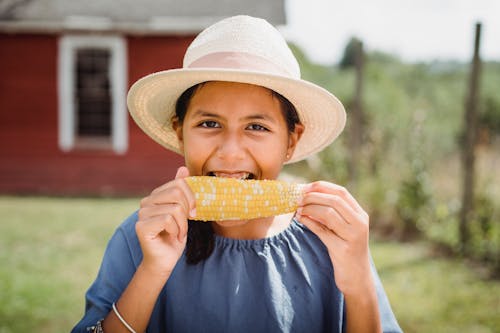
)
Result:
{"points": [[131, 330], [97, 328]]}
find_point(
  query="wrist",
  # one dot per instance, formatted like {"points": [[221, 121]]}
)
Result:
{"points": [[363, 290], [152, 272], [362, 310], [359, 283]]}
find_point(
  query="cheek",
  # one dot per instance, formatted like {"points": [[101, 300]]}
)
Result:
{"points": [[280, 145], [195, 153], [271, 155], [273, 150]]}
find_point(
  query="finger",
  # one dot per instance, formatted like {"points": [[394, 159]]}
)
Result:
{"points": [[320, 230], [180, 217], [174, 203], [176, 209], [331, 200], [159, 210], [151, 228], [327, 187], [182, 172], [173, 192], [328, 217]]}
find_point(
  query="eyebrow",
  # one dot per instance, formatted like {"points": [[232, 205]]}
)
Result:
{"points": [[257, 116], [203, 113], [260, 116]]}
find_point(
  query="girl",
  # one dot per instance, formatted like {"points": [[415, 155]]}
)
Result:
{"points": [[238, 109]]}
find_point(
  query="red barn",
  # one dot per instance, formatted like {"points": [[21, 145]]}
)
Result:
{"points": [[64, 75]]}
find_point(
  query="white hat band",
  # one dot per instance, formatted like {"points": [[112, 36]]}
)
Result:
{"points": [[240, 61]]}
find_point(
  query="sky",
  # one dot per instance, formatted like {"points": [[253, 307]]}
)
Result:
{"points": [[414, 30]]}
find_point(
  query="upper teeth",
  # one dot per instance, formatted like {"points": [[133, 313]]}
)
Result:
{"points": [[240, 175]]}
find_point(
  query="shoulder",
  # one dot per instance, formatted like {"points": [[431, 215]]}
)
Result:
{"points": [[124, 240], [127, 227]]}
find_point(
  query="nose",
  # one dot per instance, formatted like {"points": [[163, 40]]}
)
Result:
{"points": [[231, 147]]}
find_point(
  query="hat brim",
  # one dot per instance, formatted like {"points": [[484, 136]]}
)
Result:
{"points": [[151, 102]]}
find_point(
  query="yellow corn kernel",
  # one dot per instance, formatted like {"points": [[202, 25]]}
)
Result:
{"points": [[220, 199]]}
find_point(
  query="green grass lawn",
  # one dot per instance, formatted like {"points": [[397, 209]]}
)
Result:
{"points": [[51, 248]]}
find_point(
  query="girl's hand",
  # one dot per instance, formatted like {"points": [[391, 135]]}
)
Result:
{"points": [[162, 226], [338, 220]]}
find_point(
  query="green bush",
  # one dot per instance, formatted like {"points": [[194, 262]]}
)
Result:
{"points": [[413, 201], [409, 172]]}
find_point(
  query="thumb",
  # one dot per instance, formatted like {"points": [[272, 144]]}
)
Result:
{"points": [[182, 172]]}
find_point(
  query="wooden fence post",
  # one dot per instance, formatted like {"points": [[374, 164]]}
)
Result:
{"points": [[356, 122], [468, 144]]}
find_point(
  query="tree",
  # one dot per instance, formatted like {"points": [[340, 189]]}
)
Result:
{"points": [[350, 51]]}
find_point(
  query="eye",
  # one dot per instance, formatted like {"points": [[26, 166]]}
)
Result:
{"points": [[256, 127], [209, 124]]}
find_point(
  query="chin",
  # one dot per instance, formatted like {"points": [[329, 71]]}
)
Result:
{"points": [[231, 223]]}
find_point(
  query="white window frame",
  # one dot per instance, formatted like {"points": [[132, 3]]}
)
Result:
{"points": [[68, 46]]}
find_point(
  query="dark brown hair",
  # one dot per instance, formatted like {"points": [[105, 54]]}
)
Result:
{"points": [[200, 239]]}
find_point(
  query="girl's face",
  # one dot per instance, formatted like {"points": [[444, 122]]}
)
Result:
{"points": [[235, 130]]}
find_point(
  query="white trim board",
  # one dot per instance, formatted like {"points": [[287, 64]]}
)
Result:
{"points": [[68, 45]]}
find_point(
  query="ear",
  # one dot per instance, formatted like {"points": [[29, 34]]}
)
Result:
{"points": [[177, 126], [293, 139]]}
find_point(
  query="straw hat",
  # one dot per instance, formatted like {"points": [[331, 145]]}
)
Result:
{"points": [[238, 49]]}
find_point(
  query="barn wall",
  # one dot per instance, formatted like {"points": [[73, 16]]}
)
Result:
{"points": [[30, 159]]}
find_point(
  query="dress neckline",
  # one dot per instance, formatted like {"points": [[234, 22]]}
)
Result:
{"points": [[283, 235]]}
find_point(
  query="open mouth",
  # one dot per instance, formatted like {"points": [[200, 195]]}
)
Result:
{"points": [[236, 175]]}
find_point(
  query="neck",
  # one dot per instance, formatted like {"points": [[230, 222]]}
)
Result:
{"points": [[252, 229]]}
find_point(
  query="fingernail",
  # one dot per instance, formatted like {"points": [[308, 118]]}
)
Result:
{"points": [[192, 213], [177, 173]]}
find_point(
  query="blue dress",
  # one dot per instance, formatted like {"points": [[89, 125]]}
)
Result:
{"points": [[283, 283]]}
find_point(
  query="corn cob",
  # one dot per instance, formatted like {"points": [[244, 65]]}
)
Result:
{"points": [[220, 199]]}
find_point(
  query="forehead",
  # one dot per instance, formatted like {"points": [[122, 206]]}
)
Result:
{"points": [[233, 87], [236, 97]]}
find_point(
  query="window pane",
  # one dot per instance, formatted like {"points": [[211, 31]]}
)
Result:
{"points": [[93, 96]]}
